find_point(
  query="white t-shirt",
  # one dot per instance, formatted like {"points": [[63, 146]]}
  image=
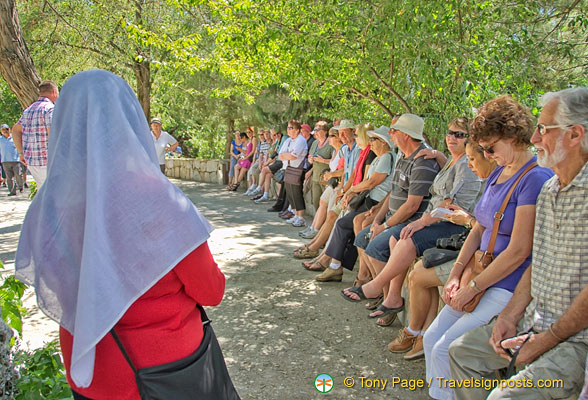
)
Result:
{"points": [[164, 140]]}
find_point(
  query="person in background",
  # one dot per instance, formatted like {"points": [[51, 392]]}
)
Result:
{"points": [[164, 142], [235, 153], [31, 132], [10, 162], [108, 258]]}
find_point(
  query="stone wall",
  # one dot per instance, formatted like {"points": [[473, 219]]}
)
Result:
{"points": [[192, 169]]}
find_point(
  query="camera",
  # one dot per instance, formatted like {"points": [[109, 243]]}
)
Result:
{"points": [[454, 242], [367, 236]]}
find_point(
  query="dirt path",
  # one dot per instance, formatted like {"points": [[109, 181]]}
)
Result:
{"points": [[278, 328]]}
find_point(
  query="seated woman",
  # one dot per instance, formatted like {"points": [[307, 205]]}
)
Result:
{"points": [[378, 183], [423, 282], [271, 166], [328, 196], [335, 202], [103, 258], [243, 164], [503, 129], [454, 183]]}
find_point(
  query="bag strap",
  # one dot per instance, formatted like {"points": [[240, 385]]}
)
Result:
{"points": [[499, 215], [203, 316]]}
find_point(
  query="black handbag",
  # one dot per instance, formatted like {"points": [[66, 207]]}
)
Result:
{"points": [[293, 175], [201, 375], [358, 200]]}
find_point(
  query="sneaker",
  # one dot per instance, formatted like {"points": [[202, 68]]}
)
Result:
{"points": [[403, 342], [330, 275], [26, 185], [255, 192], [287, 215], [302, 232], [292, 219], [298, 222], [262, 199], [12, 194], [310, 234], [256, 197], [417, 350], [273, 209]]}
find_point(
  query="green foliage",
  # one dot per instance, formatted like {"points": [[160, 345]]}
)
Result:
{"points": [[42, 375], [33, 189], [13, 310], [9, 108], [11, 292]]}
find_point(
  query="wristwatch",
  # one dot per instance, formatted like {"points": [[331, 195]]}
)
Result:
{"points": [[386, 224], [474, 286]]}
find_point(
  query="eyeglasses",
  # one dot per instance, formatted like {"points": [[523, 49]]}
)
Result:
{"points": [[542, 129], [290, 128], [333, 136], [373, 139], [489, 149], [457, 134]]}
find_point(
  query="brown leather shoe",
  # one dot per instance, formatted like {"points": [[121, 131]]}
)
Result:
{"points": [[417, 350], [403, 342], [330, 275]]}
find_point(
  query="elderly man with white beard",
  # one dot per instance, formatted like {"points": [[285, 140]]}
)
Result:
{"points": [[541, 336]]}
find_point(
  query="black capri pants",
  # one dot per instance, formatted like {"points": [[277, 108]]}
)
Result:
{"points": [[295, 196]]}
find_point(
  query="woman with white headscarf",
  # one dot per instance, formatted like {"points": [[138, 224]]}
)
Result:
{"points": [[109, 242]]}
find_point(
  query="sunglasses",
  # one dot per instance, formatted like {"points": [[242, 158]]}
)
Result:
{"points": [[457, 134], [489, 149], [542, 129]]}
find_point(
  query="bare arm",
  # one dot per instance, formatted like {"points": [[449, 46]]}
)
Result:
{"points": [[372, 182], [518, 249], [17, 137], [406, 210]]}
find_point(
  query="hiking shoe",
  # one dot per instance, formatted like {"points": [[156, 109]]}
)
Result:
{"points": [[417, 350], [298, 222], [403, 342], [256, 197], [302, 232], [255, 192], [310, 234], [291, 219], [330, 275]]}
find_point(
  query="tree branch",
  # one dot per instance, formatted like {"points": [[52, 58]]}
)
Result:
{"points": [[372, 99], [391, 89]]}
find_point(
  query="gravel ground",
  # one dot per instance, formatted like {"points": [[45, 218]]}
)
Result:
{"points": [[278, 327]]}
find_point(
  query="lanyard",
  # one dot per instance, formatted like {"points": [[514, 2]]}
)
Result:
{"points": [[348, 160]]}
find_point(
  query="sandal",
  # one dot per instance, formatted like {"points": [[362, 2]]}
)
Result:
{"points": [[386, 310], [358, 291], [300, 249], [387, 320], [320, 267], [234, 187], [308, 263], [306, 253], [372, 305], [360, 282]]}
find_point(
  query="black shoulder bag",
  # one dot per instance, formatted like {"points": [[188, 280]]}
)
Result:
{"points": [[201, 375]]}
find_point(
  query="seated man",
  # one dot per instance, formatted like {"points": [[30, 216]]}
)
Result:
{"points": [[407, 201], [552, 294]]}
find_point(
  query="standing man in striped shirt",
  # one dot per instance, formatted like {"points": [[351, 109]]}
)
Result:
{"points": [[544, 324], [31, 132]]}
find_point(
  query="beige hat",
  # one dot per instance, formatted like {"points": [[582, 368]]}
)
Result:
{"points": [[410, 124], [156, 121], [345, 124]]}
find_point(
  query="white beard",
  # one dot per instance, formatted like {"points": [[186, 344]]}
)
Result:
{"points": [[557, 156]]}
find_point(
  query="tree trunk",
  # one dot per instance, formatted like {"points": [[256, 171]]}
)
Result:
{"points": [[143, 76], [17, 67]]}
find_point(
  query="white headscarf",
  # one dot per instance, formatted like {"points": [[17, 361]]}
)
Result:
{"points": [[106, 225]]}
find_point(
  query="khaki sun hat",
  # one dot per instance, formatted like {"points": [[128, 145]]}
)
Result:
{"points": [[410, 124]]}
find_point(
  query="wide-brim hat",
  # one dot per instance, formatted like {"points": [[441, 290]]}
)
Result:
{"points": [[345, 124], [156, 121], [4, 126], [410, 124], [381, 133]]}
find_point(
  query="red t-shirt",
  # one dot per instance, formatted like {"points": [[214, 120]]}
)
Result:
{"points": [[162, 326]]}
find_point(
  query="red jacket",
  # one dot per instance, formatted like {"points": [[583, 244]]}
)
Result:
{"points": [[163, 325]]}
